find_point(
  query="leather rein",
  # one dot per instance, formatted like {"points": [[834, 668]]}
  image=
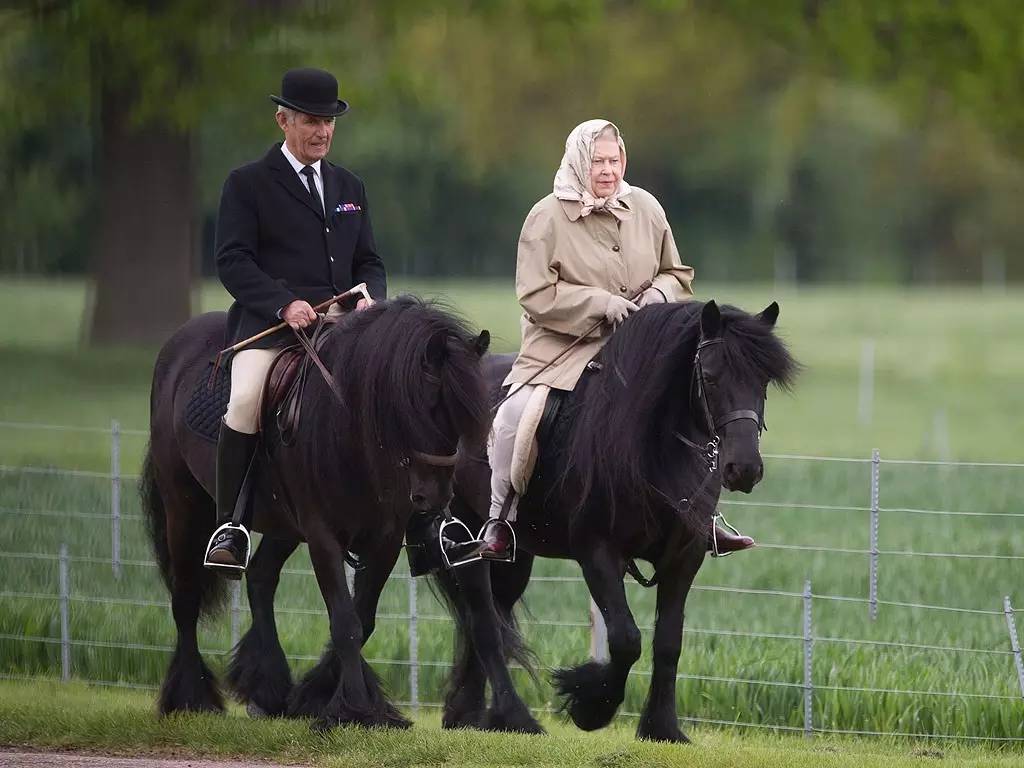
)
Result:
{"points": [[709, 453]]}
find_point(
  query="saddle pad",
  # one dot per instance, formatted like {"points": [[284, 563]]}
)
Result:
{"points": [[526, 447], [207, 405]]}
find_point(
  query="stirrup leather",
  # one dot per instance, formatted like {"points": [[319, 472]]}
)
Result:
{"points": [[239, 569], [715, 520]]}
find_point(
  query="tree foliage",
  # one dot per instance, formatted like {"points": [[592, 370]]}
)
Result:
{"points": [[805, 138]]}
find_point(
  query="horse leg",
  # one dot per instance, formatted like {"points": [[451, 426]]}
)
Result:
{"points": [[370, 580], [357, 697], [464, 705], [507, 712], [179, 509], [311, 696], [258, 673], [659, 721], [593, 691]]}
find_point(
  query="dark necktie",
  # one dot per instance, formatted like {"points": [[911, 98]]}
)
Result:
{"points": [[308, 172]]}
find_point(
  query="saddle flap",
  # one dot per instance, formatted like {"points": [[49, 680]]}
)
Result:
{"points": [[526, 446]]}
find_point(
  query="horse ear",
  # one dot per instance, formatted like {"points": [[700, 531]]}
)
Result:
{"points": [[710, 320], [481, 343], [770, 314]]}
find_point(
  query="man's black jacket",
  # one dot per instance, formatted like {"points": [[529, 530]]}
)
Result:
{"points": [[274, 244]]}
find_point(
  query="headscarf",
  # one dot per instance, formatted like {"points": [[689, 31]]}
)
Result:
{"points": [[572, 181]]}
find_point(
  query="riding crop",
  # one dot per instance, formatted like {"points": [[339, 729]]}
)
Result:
{"points": [[643, 287], [361, 288]]}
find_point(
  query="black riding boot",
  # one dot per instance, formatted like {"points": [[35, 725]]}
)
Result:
{"points": [[229, 545]]}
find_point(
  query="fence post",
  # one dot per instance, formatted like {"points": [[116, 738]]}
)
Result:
{"points": [[115, 497], [1014, 642], [598, 635], [414, 647], [236, 611], [808, 663], [876, 460], [65, 624]]}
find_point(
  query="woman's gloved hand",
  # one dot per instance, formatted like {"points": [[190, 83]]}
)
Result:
{"points": [[618, 309], [651, 296]]}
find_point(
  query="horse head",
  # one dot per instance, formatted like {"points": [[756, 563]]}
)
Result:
{"points": [[730, 389], [432, 465]]}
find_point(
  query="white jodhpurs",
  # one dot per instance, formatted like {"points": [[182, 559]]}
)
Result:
{"points": [[500, 446], [249, 369]]}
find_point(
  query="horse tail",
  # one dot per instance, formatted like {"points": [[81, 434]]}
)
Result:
{"points": [[156, 517], [185, 562], [445, 588]]}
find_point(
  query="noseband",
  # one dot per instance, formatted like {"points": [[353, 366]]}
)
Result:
{"points": [[435, 459], [710, 450]]}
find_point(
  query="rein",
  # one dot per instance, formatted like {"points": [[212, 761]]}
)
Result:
{"points": [[709, 452]]}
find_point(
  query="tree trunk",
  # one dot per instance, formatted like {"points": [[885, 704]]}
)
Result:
{"points": [[145, 247]]}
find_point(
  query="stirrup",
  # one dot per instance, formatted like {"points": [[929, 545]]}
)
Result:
{"points": [[461, 551], [510, 550], [230, 571], [718, 516]]}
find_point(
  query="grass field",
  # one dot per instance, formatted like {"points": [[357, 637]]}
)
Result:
{"points": [[948, 373], [74, 717]]}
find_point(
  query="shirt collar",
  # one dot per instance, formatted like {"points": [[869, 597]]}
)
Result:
{"points": [[295, 164]]}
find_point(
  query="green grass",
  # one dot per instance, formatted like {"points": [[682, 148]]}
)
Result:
{"points": [[76, 717], [953, 352]]}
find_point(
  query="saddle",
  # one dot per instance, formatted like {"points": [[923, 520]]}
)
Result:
{"points": [[286, 381], [282, 393], [535, 426]]}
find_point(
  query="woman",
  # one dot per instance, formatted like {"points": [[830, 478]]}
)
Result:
{"points": [[584, 251]]}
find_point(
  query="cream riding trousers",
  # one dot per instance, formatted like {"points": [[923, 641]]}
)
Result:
{"points": [[500, 446]]}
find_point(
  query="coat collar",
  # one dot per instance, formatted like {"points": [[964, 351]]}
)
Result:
{"points": [[286, 176]]}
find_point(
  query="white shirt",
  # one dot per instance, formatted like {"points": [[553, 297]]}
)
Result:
{"points": [[317, 178]]}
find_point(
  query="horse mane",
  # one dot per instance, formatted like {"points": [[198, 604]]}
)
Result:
{"points": [[624, 433], [382, 359]]}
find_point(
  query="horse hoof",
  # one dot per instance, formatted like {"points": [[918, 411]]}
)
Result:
{"points": [[473, 719], [255, 711], [669, 733]]}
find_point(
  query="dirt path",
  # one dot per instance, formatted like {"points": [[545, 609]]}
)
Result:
{"points": [[72, 760]]}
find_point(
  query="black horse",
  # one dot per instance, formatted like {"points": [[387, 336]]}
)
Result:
{"points": [[669, 413], [366, 455]]}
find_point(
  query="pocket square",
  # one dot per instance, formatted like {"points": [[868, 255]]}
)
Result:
{"points": [[348, 208]]}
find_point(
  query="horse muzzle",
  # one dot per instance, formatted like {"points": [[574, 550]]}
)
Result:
{"points": [[742, 476]]}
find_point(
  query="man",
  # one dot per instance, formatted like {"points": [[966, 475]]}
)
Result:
{"points": [[293, 230]]}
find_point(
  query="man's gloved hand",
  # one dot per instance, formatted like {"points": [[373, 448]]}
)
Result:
{"points": [[651, 296], [299, 314], [618, 309]]}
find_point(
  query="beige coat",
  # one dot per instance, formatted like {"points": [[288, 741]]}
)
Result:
{"points": [[569, 266]]}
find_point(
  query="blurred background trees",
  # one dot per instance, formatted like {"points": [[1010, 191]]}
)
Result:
{"points": [[795, 140]]}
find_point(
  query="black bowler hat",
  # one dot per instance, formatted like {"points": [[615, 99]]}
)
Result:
{"points": [[312, 91]]}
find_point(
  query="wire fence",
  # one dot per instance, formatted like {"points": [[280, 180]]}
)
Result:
{"points": [[807, 635]]}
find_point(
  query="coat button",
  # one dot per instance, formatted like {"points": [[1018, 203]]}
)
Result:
{"points": [[331, 258], [327, 230], [622, 289], [615, 248]]}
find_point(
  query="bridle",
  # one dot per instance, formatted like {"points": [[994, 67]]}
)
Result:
{"points": [[441, 460], [709, 451], [697, 382]]}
